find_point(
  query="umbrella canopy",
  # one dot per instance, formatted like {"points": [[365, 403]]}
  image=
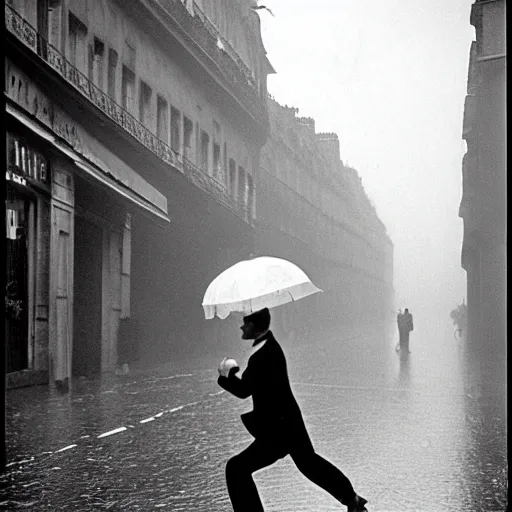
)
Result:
{"points": [[251, 285]]}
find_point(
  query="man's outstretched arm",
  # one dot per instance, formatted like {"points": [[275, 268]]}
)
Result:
{"points": [[241, 388]]}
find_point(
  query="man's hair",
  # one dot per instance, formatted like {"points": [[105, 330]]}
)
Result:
{"points": [[260, 319]]}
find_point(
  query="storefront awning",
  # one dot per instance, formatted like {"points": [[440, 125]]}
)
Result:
{"points": [[103, 166]]}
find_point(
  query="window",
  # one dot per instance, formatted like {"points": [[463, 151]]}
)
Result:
{"points": [[145, 94], [77, 42], [175, 129], [128, 89], [225, 165], [205, 146], [42, 18], [130, 55], [96, 56], [217, 170], [54, 23], [241, 186], [232, 178], [112, 73], [250, 196], [162, 119], [187, 137]]}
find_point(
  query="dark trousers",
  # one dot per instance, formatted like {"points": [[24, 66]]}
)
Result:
{"points": [[262, 453], [404, 340]]}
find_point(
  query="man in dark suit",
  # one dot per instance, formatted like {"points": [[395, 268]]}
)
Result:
{"points": [[275, 422], [407, 327]]}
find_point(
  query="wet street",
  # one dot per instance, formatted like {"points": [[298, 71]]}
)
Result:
{"points": [[416, 433]]}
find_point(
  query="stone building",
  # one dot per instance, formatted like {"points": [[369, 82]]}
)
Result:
{"points": [[313, 210], [483, 204], [133, 131]]}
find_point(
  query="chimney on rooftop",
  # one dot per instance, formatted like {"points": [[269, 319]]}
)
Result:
{"points": [[330, 145], [308, 122]]}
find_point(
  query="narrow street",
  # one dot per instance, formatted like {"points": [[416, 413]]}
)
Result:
{"points": [[412, 433]]}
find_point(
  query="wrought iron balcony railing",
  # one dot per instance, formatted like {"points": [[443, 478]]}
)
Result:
{"points": [[28, 35], [205, 35], [225, 45]]}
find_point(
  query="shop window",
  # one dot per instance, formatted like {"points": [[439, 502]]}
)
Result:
{"points": [[112, 74], [205, 147], [18, 241], [128, 89], [162, 116], [187, 137], [175, 129], [145, 95]]}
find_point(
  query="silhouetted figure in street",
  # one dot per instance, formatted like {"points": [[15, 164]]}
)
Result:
{"points": [[405, 326], [399, 324], [275, 422], [459, 317]]}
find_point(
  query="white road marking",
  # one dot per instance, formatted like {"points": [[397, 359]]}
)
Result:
{"points": [[66, 448], [111, 432], [147, 419]]}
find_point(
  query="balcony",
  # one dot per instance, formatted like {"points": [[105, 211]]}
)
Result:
{"points": [[197, 27], [30, 38]]}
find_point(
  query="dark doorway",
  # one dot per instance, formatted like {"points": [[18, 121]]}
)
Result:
{"points": [[16, 285], [87, 298]]}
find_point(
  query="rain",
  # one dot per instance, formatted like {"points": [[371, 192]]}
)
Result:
{"points": [[255, 256]]}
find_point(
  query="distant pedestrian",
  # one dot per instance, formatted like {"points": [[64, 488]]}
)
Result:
{"points": [[276, 424], [405, 327], [400, 328]]}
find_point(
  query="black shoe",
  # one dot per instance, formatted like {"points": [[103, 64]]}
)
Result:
{"points": [[357, 505]]}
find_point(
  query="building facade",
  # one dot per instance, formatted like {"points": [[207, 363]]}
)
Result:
{"points": [[313, 210], [483, 204], [134, 132]]}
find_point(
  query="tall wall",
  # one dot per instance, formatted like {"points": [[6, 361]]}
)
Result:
{"points": [[159, 133], [483, 204], [313, 210]]}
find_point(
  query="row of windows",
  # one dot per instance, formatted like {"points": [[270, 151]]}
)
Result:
{"points": [[172, 127]]}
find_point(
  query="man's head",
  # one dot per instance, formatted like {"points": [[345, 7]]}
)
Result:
{"points": [[406, 310], [256, 324]]}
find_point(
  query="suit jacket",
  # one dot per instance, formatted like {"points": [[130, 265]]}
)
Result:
{"points": [[407, 322], [276, 414]]}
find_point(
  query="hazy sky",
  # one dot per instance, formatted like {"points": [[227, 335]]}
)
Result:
{"points": [[390, 78]]}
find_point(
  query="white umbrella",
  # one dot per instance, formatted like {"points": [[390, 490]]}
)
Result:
{"points": [[251, 285]]}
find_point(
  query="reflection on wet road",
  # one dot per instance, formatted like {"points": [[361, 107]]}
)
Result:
{"points": [[415, 433]]}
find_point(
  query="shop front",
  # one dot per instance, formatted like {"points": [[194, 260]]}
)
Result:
{"points": [[68, 253], [27, 203]]}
